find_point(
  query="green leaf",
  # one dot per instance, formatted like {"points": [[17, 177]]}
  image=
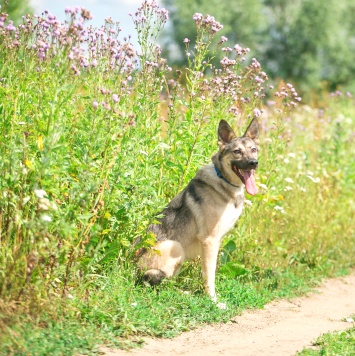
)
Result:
{"points": [[233, 269]]}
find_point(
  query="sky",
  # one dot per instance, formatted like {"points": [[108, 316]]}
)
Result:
{"points": [[118, 10]]}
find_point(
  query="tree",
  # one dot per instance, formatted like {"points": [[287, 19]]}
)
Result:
{"points": [[242, 21], [309, 41], [304, 41], [15, 9]]}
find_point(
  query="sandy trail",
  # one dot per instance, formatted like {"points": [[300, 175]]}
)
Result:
{"points": [[281, 328]]}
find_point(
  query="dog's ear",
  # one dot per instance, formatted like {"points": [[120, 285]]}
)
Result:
{"points": [[253, 130], [225, 133]]}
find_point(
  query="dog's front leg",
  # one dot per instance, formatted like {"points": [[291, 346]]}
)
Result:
{"points": [[210, 247]]}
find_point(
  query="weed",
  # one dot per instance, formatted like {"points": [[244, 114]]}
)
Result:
{"points": [[336, 343], [97, 137]]}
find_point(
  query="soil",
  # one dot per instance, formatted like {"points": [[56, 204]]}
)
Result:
{"points": [[283, 327]]}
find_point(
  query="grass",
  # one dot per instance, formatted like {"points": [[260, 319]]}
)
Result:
{"points": [[336, 343], [94, 141], [119, 313]]}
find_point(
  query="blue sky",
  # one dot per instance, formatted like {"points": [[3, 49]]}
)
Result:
{"points": [[100, 9]]}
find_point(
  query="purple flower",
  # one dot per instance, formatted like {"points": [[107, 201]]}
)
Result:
{"points": [[115, 98], [186, 40], [10, 27], [95, 104], [197, 17], [257, 112]]}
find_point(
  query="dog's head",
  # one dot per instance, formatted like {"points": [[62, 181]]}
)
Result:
{"points": [[237, 157]]}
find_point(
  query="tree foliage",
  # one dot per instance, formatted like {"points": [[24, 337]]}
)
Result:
{"points": [[15, 8], [307, 41], [235, 17]]}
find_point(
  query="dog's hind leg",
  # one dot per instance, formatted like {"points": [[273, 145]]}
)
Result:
{"points": [[163, 261]]}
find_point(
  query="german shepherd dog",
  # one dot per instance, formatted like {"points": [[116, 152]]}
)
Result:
{"points": [[195, 221]]}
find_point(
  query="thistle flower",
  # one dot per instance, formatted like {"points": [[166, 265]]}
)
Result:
{"points": [[256, 112], [10, 27], [197, 17]]}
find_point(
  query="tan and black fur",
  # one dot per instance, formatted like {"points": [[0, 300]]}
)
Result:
{"points": [[195, 221]]}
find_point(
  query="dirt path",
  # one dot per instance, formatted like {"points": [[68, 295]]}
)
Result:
{"points": [[281, 328]]}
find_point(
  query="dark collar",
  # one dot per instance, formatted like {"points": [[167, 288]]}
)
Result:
{"points": [[219, 174]]}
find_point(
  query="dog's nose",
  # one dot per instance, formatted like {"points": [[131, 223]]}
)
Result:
{"points": [[253, 163]]}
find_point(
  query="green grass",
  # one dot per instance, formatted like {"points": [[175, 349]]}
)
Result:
{"points": [[90, 153], [332, 344], [119, 313]]}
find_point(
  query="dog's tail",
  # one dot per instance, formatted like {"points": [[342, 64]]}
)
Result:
{"points": [[154, 276]]}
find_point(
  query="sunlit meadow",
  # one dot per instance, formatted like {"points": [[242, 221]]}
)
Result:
{"points": [[97, 136]]}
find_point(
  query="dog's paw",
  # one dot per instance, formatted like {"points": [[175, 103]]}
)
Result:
{"points": [[222, 306]]}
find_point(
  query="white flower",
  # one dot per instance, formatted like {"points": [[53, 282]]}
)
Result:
{"points": [[45, 204], [289, 180], [314, 180], [248, 202], [286, 160], [292, 155], [46, 218], [288, 188], [25, 200], [279, 208], [40, 193], [302, 189], [263, 186], [134, 304], [222, 306]]}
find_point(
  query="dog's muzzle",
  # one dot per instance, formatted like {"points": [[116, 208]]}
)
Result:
{"points": [[252, 164]]}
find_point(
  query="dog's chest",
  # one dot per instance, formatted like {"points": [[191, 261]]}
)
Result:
{"points": [[229, 214]]}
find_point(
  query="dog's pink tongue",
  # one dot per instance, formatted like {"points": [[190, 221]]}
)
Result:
{"points": [[249, 180]]}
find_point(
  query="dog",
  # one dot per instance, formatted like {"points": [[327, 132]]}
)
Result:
{"points": [[195, 221]]}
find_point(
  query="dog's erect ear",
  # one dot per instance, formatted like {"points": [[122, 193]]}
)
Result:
{"points": [[252, 130], [225, 133]]}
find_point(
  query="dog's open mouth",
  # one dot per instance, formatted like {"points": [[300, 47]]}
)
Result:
{"points": [[247, 177]]}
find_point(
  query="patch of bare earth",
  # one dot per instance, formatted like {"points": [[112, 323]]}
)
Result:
{"points": [[282, 328]]}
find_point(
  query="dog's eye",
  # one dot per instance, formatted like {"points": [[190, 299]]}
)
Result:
{"points": [[254, 150], [237, 151]]}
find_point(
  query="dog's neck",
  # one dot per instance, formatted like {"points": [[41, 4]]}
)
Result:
{"points": [[216, 162], [220, 175]]}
